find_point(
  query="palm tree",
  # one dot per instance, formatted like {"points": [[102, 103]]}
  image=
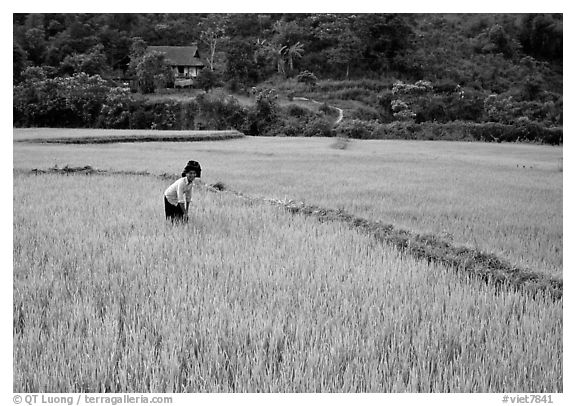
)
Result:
{"points": [[277, 51], [273, 50], [293, 52]]}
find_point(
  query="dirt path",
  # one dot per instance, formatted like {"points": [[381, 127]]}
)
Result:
{"points": [[340, 111]]}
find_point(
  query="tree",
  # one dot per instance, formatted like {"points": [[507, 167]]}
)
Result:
{"points": [[343, 44], [285, 45], [137, 48], [92, 62], [149, 68], [213, 33], [152, 72], [265, 113], [19, 61], [495, 40], [207, 79], [346, 50], [73, 101], [287, 32], [541, 36], [307, 77], [115, 112], [242, 64], [292, 52], [35, 45], [274, 52], [116, 44], [383, 37]]}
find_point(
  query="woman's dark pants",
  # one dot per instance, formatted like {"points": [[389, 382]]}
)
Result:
{"points": [[173, 213]]}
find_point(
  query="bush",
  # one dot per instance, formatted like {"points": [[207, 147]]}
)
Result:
{"points": [[115, 112], [308, 78], [447, 86], [207, 79], [264, 117], [469, 107], [435, 109], [293, 127], [328, 110], [367, 84], [219, 112], [523, 131], [553, 136], [364, 113], [294, 110], [157, 116], [318, 127], [355, 129], [140, 116], [74, 101]]}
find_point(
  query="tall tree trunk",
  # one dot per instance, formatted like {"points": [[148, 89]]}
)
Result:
{"points": [[281, 68], [212, 53]]}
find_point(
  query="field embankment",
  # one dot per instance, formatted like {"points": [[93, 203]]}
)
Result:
{"points": [[86, 136]]}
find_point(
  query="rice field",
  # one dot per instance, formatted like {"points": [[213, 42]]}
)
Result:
{"points": [[502, 199], [248, 298]]}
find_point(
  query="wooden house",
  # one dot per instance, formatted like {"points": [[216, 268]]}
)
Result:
{"points": [[184, 61]]}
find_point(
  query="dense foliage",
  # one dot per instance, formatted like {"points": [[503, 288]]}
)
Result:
{"points": [[471, 49], [500, 68]]}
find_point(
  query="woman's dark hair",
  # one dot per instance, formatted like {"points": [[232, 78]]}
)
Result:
{"points": [[192, 166]]}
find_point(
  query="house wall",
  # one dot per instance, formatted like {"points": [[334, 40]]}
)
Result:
{"points": [[189, 72]]}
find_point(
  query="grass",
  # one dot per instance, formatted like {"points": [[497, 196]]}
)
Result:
{"points": [[170, 95], [108, 297], [244, 100], [473, 194], [96, 136]]}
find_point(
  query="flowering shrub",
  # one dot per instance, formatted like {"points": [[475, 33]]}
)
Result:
{"points": [[401, 110], [498, 109], [307, 77], [421, 86], [115, 112], [71, 101]]}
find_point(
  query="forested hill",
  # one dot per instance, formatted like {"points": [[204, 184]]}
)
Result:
{"points": [[492, 51], [517, 57]]}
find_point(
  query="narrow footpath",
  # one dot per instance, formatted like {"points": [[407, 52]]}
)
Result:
{"points": [[340, 111]]}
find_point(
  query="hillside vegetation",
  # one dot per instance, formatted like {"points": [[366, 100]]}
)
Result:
{"points": [[395, 75]]}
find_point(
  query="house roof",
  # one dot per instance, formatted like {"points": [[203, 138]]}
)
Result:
{"points": [[180, 56]]}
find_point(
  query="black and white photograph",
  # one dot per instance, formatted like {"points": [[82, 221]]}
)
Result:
{"points": [[287, 202]]}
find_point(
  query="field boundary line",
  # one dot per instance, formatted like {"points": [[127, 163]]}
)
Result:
{"points": [[112, 139], [429, 247]]}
